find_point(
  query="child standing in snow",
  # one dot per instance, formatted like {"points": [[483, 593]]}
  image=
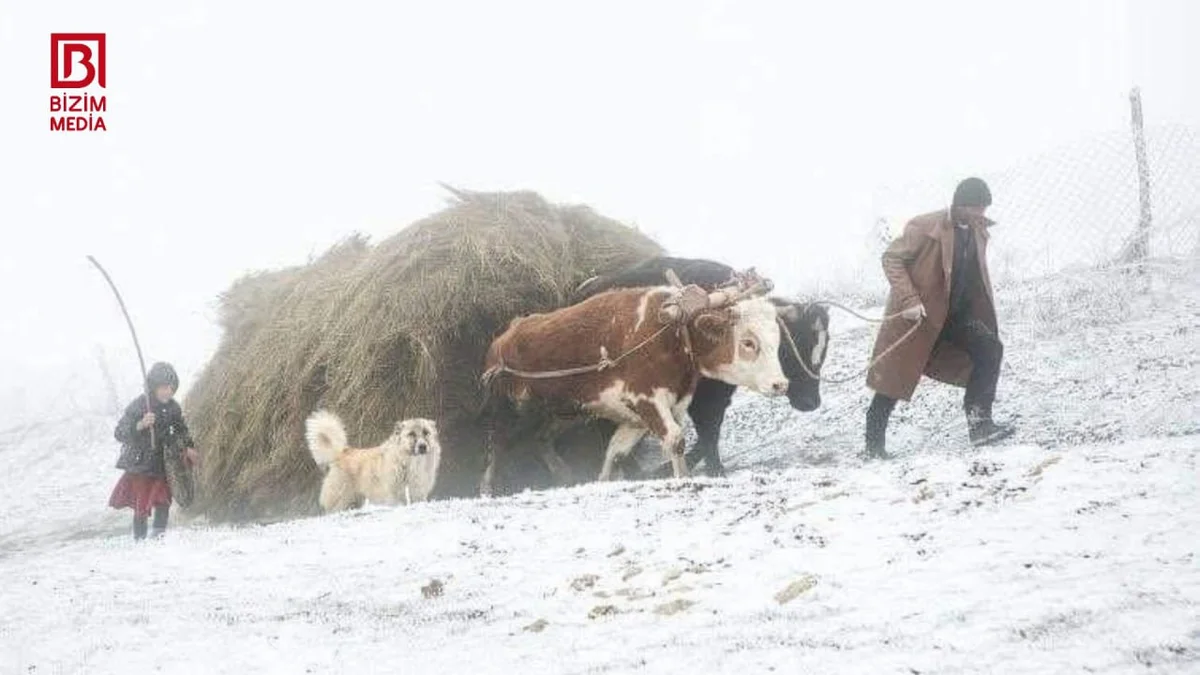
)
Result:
{"points": [[144, 486]]}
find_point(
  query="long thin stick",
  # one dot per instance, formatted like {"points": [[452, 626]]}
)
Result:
{"points": [[137, 345]]}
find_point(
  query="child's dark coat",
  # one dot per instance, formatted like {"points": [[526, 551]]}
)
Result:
{"points": [[170, 432]]}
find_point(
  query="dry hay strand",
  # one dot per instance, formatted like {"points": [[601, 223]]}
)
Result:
{"points": [[381, 333]]}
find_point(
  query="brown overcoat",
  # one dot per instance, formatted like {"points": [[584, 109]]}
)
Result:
{"points": [[917, 265]]}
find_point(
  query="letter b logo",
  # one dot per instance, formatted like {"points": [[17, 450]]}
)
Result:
{"points": [[76, 60]]}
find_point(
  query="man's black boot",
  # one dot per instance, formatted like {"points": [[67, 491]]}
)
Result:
{"points": [[877, 422], [876, 435], [983, 430], [875, 447]]}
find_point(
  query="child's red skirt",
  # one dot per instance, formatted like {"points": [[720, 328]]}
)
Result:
{"points": [[140, 493]]}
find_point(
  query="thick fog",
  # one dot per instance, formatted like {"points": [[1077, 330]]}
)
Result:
{"points": [[249, 136]]}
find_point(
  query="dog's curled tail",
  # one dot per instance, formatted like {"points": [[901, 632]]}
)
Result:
{"points": [[326, 436]]}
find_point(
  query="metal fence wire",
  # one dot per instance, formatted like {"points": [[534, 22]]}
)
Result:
{"points": [[1081, 206]]}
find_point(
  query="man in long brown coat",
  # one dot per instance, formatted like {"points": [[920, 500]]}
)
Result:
{"points": [[938, 273]]}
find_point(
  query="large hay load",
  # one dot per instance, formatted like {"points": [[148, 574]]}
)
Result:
{"points": [[379, 333]]}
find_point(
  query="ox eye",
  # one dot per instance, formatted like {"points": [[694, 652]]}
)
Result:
{"points": [[749, 344]]}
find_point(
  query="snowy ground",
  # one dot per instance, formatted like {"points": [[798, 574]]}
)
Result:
{"points": [[1095, 358], [1071, 550]]}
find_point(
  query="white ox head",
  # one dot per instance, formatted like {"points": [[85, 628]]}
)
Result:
{"points": [[739, 345]]}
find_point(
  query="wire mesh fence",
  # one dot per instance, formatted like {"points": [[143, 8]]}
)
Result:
{"points": [[1074, 226], [1080, 206]]}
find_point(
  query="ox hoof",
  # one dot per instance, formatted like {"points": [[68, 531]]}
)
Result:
{"points": [[714, 470]]}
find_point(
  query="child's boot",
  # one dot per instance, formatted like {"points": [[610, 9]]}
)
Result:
{"points": [[160, 521]]}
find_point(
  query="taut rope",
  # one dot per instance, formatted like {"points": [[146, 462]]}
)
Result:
{"points": [[603, 364], [808, 371], [675, 312]]}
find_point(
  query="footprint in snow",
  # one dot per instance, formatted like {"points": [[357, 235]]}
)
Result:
{"points": [[796, 589], [584, 582], [674, 607]]}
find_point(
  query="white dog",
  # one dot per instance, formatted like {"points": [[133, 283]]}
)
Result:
{"points": [[401, 469]]}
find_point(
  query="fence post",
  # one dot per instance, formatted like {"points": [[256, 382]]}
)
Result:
{"points": [[1138, 248]]}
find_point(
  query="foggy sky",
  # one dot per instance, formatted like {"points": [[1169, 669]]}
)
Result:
{"points": [[246, 136]]}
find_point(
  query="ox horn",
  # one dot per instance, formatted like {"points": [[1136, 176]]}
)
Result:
{"points": [[749, 285], [691, 299]]}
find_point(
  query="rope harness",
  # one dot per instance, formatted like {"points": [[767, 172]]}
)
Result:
{"points": [[675, 312], [857, 374], [603, 364]]}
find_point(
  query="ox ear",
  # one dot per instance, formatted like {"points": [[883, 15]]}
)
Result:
{"points": [[714, 325], [789, 313]]}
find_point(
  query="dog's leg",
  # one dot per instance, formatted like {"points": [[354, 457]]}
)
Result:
{"points": [[329, 493], [337, 491]]}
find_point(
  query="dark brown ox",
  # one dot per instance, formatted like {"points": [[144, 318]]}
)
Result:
{"points": [[542, 372]]}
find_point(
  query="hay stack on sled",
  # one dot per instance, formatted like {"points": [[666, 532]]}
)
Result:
{"points": [[379, 333]]}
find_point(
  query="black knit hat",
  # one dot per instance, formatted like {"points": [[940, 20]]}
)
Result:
{"points": [[972, 192], [161, 373]]}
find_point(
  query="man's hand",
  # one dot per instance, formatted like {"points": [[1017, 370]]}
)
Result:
{"points": [[191, 456], [146, 422], [914, 313]]}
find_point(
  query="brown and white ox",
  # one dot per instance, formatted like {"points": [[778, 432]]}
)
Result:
{"points": [[541, 363]]}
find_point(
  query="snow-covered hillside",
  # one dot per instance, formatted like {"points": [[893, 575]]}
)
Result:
{"points": [[1090, 357], [1070, 550]]}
